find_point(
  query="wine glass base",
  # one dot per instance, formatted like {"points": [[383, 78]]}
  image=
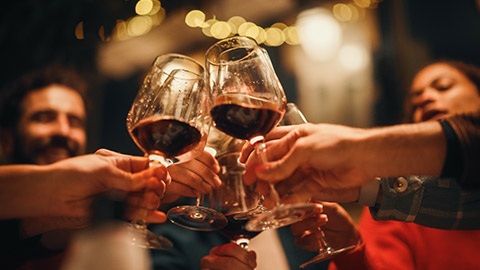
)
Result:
{"points": [[147, 239], [197, 218], [326, 255], [280, 216]]}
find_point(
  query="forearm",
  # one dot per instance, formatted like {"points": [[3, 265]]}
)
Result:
{"points": [[24, 191], [412, 149]]}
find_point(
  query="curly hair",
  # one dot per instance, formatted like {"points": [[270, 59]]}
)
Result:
{"points": [[472, 72], [10, 110]]}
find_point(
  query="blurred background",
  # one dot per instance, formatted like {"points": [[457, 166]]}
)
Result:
{"points": [[347, 62]]}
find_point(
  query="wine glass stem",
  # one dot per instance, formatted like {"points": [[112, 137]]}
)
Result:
{"points": [[261, 148], [200, 198], [242, 242], [324, 246], [154, 161]]}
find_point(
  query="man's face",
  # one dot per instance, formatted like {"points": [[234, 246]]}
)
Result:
{"points": [[51, 126], [440, 90]]}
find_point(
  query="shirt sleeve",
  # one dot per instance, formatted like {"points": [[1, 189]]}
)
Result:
{"points": [[467, 129], [432, 202]]}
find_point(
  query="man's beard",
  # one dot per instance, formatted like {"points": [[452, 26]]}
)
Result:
{"points": [[40, 152]]}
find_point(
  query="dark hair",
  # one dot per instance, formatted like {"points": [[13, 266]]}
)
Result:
{"points": [[472, 72], [10, 110]]}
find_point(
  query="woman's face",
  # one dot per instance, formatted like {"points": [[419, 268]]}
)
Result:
{"points": [[440, 90]]}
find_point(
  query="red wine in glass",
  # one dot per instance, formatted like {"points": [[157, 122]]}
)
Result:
{"points": [[166, 137], [236, 231], [244, 116]]}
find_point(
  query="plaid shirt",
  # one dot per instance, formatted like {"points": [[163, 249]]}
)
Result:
{"points": [[432, 202]]}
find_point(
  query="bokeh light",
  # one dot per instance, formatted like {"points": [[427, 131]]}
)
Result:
{"points": [[353, 57], [195, 18], [144, 7], [319, 33]]}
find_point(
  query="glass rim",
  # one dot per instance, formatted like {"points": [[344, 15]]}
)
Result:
{"points": [[177, 56], [254, 46]]}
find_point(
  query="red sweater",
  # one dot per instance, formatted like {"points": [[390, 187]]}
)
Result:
{"points": [[396, 245]]}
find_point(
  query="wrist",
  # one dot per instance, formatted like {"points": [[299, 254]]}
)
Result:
{"points": [[408, 149], [369, 192]]}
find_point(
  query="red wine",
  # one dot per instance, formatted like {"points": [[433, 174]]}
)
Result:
{"points": [[235, 229], [245, 117], [165, 136]]}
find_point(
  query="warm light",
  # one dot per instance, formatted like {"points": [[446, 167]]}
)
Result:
{"points": [[79, 31], [206, 27], [291, 35], [261, 36], [220, 30], [275, 37], [195, 18], [156, 7], [235, 23], [139, 25], [362, 3], [342, 12], [353, 57], [158, 17], [319, 33], [120, 30], [279, 25], [244, 28], [355, 12], [143, 7], [253, 32]]}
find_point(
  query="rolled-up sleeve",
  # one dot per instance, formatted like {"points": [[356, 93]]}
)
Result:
{"points": [[432, 202], [467, 130]]}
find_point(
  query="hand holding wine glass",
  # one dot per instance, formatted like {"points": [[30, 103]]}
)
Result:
{"points": [[164, 122], [329, 238], [248, 102]]}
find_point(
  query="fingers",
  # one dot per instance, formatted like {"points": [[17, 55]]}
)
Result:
{"points": [[199, 174], [176, 189], [125, 162], [229, 256], [156, 217], [275, 134], [292, 157], [309, 224]]}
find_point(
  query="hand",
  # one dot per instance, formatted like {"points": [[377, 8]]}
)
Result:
{"points": [[299, 188], [78, 179], [229, 256], [337, 226], [196, 176], [324, 152]]}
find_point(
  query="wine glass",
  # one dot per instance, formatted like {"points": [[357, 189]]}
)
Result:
{"points": [[166, 125], [293, 116], [234, 198], [248, 102]]}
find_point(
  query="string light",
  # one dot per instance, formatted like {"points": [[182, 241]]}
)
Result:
{"points": [[278, 33], [150, 13]]}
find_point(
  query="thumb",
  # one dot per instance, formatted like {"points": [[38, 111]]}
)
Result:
{"points": [[281, 169]]}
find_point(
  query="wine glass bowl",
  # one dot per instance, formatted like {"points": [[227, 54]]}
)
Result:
{"points": [[248, 98], [169, 119], [249, 101]]}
